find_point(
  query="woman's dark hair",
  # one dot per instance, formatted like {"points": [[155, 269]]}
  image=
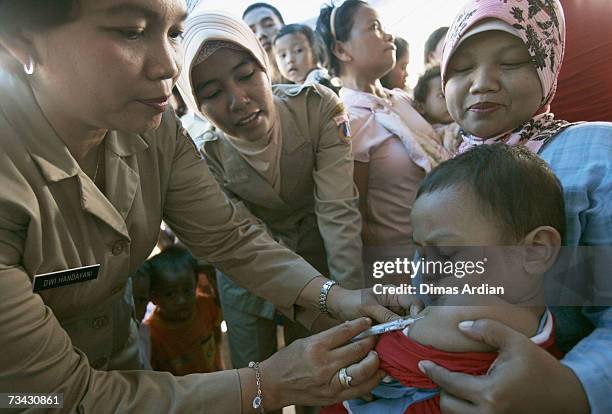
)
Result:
{"points": [[344, 20], [171, 260], [32, 15], [400, 51], [513, 186], [421, 90], [265, 6], [402, 47], [432, 41], [316, 44]]}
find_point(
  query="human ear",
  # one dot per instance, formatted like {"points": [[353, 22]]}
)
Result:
{"points": [[431, 59], [341, 52], [542, 247]]}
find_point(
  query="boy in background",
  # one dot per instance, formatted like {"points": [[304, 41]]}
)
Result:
{"points": [[184, 323], [265, 21]]}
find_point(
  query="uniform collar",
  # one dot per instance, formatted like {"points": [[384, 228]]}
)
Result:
{"points": [[55, 162], [293, 136], [125, 144], [22, 112], [47, 149]]}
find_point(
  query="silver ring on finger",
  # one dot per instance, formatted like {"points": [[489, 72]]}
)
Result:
{"points": [[345, 379]]}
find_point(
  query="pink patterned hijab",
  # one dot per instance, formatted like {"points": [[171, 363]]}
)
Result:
{"points": [[540, 24]]}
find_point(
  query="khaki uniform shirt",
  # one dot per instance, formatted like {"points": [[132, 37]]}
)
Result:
{"points": [[316, 212], [53, 217]]}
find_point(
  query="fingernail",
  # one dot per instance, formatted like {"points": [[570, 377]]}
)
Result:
{"points": [[424, 366], [405, 331], [466, 325], [374, 352]]}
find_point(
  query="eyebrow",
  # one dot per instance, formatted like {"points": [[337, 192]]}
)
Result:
{"points": [[201, 86], [471, 52], [241, 63], [515, 46], [137, 9]]}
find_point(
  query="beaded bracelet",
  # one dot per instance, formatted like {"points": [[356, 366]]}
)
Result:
{"points": [[258, 400]]}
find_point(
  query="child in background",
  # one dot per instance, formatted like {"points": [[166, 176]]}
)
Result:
{"points": [[434, 45], [498, 196], [396, 77], [431, 103], [300, 56], [184, 321]]}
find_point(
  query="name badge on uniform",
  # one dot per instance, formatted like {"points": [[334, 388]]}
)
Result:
{"points": [[65, 277]]}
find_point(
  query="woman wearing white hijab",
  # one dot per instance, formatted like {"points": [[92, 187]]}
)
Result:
{"points": [[281, 154]]}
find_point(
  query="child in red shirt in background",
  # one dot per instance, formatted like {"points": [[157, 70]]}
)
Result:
{"points": [[185, 319]]}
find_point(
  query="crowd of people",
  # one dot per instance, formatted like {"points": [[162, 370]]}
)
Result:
{"points": [[282, 157]]}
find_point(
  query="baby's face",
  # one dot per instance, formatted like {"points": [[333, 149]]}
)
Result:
{"points": [[452, 217], [450, 225], [434, 107], [175, 295], [294, 57]]}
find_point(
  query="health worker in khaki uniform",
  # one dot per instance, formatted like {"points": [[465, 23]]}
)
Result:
{"points": [[91, 160], [292, 169]]}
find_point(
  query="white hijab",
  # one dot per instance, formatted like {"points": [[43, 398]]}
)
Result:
{"points": [[204, 32]]}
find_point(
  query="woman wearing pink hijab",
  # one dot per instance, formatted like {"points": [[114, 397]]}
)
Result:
{"points": [[499, 73]]}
